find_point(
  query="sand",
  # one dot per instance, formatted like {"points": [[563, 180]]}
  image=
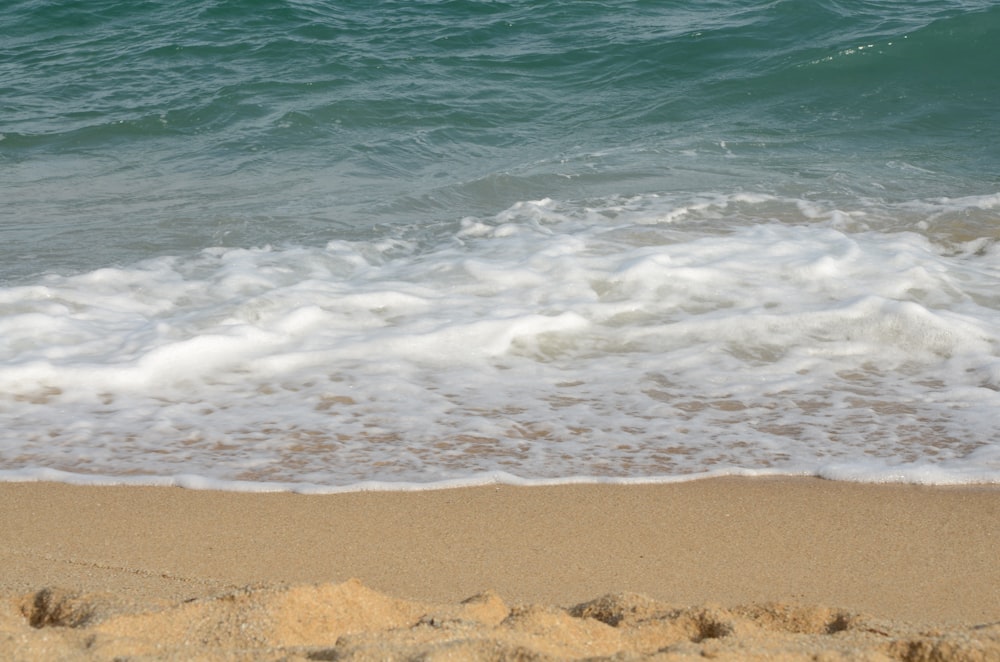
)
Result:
{"points": [[796, 569]]}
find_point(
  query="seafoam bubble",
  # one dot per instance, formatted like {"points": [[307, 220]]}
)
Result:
{"points": [[557, 347]]}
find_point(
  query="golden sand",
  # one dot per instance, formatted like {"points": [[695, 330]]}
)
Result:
{"points": [[789, 569]]}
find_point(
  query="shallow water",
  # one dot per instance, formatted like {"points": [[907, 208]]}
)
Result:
{"points": [[305, 246]]}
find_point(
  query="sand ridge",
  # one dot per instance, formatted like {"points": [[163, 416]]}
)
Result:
{"points": [[349, 621]]}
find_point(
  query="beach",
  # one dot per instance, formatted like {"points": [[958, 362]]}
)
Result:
{"points": [[500, 331], [766, 568]]}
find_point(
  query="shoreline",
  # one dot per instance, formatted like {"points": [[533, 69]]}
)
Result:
{"points": [[921, 555]]}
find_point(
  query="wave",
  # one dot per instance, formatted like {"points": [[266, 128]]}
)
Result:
{"points": [[632, 339], [288, 242]]}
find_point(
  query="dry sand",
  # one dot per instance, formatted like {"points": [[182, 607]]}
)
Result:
{"points": [[796, 569]]}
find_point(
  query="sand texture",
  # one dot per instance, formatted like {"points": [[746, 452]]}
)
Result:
{"points": [[768, 569], [351, 622]]}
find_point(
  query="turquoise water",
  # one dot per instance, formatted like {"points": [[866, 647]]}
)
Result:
{"points": [[133, 129], [223, 147]]}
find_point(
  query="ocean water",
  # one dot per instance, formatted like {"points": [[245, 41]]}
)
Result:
{"points": [[340, 245]]}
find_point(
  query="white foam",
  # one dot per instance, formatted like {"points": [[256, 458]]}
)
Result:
{"points": [[621, 339]]}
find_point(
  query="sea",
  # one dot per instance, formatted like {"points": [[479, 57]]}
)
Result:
{"points": [[332, 245]]}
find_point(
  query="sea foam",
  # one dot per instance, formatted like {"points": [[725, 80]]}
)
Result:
{"points": [[538, 344]]}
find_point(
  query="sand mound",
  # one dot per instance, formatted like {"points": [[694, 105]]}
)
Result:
{"points": [[352, 622]]}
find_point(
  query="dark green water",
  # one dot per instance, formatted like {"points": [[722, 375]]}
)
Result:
{"points": [[133, 129]]}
